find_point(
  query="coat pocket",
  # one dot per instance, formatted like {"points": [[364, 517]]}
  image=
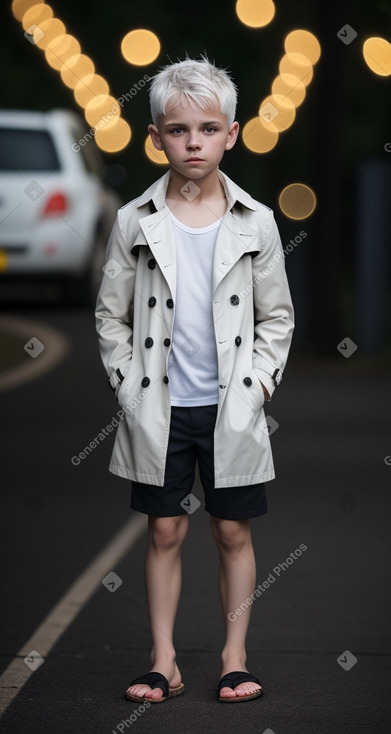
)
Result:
{"points": [[121, 394]]}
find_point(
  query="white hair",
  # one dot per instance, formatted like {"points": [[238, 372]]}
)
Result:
{"points": [[198, 81]]}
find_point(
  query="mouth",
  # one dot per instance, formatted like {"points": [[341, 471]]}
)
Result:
{"points": [[193, 160]]}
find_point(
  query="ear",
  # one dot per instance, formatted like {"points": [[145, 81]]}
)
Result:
{"points": [[233, 132], [154, 133]]}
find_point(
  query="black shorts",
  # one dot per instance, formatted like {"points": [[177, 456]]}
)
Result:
{"points": [[191, 439]]}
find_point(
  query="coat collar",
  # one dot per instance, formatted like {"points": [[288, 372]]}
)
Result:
{"points": [[235, 235], [157, 193]]}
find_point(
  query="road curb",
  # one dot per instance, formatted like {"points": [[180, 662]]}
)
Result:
{"points": [[45, 347]]}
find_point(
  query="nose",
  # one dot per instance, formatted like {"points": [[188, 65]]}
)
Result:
{"points": [[194, 140]]}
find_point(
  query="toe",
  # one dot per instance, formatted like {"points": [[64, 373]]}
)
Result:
{"points": [[245, 689], [227, 692], [155, 693], [139, 690]]}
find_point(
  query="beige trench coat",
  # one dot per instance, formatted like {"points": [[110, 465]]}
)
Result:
{"points": [[136, 302]]}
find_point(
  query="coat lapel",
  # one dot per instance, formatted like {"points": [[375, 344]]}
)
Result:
{"points": [[234, 239], [159, 234]]}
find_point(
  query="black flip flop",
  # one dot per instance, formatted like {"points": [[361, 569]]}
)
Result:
{"points": [[231, 680], [155, 680]]}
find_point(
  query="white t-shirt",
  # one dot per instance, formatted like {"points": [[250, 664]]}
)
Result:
{"points": [[192, 363]]}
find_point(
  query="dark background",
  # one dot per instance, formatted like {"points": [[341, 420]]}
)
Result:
{"points": [[343, 121]]}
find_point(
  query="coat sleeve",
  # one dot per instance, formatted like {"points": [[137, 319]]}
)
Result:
{"points": [[114, 305], [273, 309]]}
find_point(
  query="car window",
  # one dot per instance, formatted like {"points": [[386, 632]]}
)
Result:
{"points": [[27, 150]]}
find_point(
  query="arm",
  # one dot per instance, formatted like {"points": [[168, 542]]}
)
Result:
{"points": [[273, 310], [114, 306]]}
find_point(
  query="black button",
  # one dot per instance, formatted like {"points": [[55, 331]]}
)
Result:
{"points": [[248, 381], [234, 300], [145, 381], [170, 303], [152, 302], [165, 379], [238, 341], [167, 342], [148, 342], [152, 264]]}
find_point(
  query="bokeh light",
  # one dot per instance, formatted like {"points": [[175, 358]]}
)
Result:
{"points": [[101, 106], [297, 65], [154, 155], [297, 201], [303, 42], [61, 49], [75, 68], [114, 136], [259, 136], [255, 13], [36, 15], [377, 55], [277, 110], [91, 91], [47, 31], [19, 7], [289, 87], [89, 87], [140, 47]]}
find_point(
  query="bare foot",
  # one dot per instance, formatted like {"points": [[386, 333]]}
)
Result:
{"points": [[243, 689], [171, 672]]}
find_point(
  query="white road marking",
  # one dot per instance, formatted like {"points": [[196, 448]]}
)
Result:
{"points": [[56, 347], [69, 606]]}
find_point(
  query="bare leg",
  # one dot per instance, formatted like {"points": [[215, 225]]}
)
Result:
{"points": [[237, 575], [163, 577]]}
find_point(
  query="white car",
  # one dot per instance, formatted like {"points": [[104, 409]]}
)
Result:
{"points": [[56, 212]]}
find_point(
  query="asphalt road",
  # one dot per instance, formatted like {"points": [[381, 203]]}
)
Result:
{"points": [[330, 603]]}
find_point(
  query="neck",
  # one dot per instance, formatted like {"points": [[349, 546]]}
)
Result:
{"points": [[209, 185]]}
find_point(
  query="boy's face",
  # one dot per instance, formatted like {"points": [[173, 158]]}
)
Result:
{"points": [[193, 139]]}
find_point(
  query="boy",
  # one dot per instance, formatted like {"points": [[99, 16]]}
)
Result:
{"points": [[195, 322]]}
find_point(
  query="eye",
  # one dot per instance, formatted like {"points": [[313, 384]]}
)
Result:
{"points": [[210, 129], [176, 129]]}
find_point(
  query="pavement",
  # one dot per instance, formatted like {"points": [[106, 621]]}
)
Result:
{"points": [[319, 637]]}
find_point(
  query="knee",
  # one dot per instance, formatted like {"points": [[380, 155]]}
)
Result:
{"points": [[231, 535], [166, 533]]}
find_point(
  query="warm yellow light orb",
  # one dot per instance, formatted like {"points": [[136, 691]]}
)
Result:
{"points": [[47, 31], [90, 86], [277, 110], [61, 49], [36, 15], [20, 7], [255, 13], [303, 42], [101, 107], [289, 87], [140, 47], [297, 201], [258, 136], [75, 68], [298, 65], [114, 136], [377, 55]]}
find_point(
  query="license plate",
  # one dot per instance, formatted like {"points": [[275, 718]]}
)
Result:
{"points": [[3, 260]]}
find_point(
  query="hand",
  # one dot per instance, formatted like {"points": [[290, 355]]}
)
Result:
{"points": [[265, 392]]}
